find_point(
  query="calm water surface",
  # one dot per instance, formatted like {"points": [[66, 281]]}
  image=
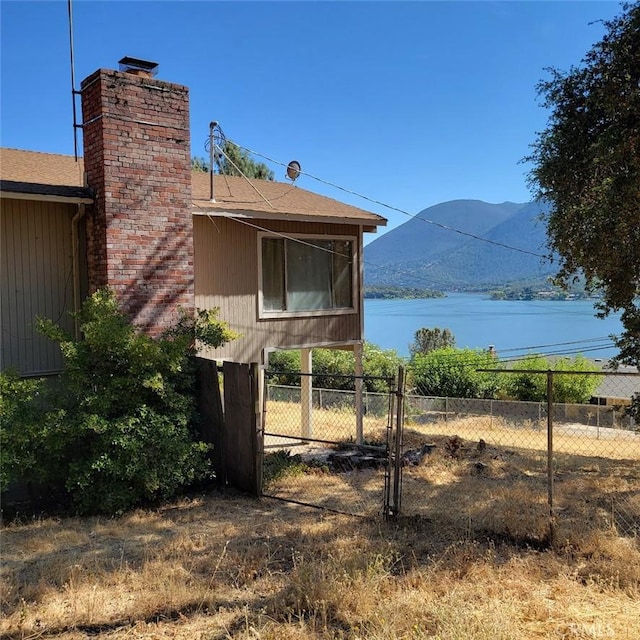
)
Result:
{"points": [[514, 327]]}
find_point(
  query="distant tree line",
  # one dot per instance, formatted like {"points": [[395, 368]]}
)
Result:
{"points": [[437, 368], [383, 292]]}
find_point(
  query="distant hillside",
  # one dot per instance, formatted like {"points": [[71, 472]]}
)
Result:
{"points": [[419, 254]]}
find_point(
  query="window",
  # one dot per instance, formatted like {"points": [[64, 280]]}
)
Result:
{"points": [[306, 274]]}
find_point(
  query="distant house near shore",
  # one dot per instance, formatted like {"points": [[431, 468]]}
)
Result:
{"points": [[618, 386]]}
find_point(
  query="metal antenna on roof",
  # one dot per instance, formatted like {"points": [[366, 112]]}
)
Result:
{"points": [[214, 145], [73, 82]]}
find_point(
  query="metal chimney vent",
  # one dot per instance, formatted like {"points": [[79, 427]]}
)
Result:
{"points": [[138, 67]]}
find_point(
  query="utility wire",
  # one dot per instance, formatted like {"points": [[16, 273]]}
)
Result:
{"points": [[586, 342], [397, 209], [300, 241], [430, 281]]}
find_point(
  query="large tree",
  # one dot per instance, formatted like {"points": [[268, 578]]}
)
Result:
{"points": [[234, 161], [427, 340], [586, 164]]}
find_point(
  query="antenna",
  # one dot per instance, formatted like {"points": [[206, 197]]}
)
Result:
{"points": [[214, 144], [73, 82]]}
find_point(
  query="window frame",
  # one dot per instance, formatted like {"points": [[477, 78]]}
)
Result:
{"points": [[269, 315]]}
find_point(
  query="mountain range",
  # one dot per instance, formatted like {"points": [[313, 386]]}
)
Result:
{"points": [[428, 251]]}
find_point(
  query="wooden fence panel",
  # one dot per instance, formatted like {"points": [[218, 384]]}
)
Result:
{"points": [[211, 415], [241, 428]]}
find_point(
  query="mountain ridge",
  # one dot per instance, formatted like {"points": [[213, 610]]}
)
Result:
{"points": [[429, 251]]}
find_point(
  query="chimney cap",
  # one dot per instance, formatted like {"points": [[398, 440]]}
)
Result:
{"points": [[138, 66]]}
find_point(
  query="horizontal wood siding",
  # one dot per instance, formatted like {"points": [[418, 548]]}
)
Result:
{"points": [[37, 280], [226, 276]]}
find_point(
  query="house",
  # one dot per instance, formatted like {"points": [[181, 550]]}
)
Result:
{"points": [[283, 265], [618, 386]]}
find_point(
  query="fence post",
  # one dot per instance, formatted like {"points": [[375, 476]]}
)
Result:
{"points": [[306, 394], [257, 390], [359, 384], [550, 453], [211, 411], [397, 477]]}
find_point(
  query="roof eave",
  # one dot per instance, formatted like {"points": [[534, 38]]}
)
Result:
{"points": [[44, 192], [368, 225]]}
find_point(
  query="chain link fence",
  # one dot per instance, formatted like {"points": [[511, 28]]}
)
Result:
{"points": [[525, 471], [328, 448], [528, 472]]}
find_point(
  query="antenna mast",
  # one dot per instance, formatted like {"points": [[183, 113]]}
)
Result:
{"points": [[212, 157], [73, 82]]}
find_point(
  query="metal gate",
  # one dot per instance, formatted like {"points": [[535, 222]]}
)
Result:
{"points": [[332, 442]]}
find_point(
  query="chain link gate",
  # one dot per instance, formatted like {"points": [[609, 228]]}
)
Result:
{"points": [[330, 442]]}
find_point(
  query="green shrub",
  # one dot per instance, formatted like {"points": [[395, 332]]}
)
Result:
{"points": [[21, 426], [334, 368], [566, 388], [453, 373], [123, 428]]}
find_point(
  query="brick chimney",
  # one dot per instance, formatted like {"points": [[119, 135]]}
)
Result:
{"points": [[138, 162]]}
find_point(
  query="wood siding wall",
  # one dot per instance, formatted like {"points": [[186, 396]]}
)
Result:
{"points": [[37, 280], [226, 276]]}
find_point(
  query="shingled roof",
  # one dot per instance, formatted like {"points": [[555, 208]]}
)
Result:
{"points": [[52, 175], [42, 174]]}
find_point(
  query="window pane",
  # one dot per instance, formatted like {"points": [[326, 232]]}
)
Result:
{"points": [[308, 275], [273, 274], [342, 265]]}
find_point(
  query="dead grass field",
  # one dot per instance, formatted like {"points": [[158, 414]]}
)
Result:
{"points": [[492, 482], [228, 567], [465, 566]]}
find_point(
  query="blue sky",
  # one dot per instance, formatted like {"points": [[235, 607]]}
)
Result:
{"points": [[408, 103]]}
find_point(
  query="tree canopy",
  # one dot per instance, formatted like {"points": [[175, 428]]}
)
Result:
{"points": [[586, 165], [235, 161], [426, 340]]}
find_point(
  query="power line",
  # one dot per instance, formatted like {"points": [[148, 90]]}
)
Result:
{"points": [[397, 209], [300, 241]]}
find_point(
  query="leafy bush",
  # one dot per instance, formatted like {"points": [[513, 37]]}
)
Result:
{"points": [[21, 417], [123, 430], [453, 373], [567, 388], [329, 364]]}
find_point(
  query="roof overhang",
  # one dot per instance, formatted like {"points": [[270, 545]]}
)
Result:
{"points": [[214, 210], [44, 192]]}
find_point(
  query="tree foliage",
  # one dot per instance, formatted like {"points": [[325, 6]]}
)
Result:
{"points": [[234, 161], [454, 373], [427, 340], [200, 164], [569, 388], [329, 365], [586, 164]]}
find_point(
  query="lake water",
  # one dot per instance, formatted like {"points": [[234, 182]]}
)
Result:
{"points": [[514, 327]]}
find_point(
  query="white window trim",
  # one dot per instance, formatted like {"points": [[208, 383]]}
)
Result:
{"points": [[271, 315]]}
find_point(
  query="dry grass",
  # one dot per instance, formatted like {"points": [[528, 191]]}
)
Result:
{"points": [[492, 483], [466, 566], [225, 566]]}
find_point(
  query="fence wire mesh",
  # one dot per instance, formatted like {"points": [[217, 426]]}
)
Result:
{"points": [[318, 452], [491, 467], [471, 467]]}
